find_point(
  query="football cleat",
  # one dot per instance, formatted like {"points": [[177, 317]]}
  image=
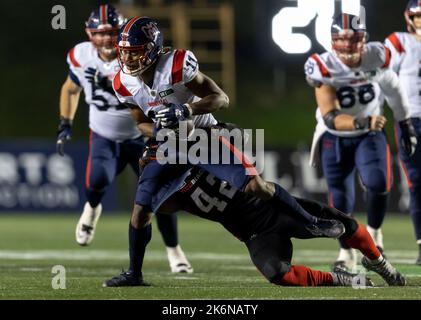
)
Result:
{"points": [[125, 279], [326, 228], [85, 228], [385, 269], [178, 261], [343, 278]]}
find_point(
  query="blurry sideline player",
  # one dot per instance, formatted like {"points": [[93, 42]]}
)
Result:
{"points": [[115, 141], [266, 228], [167, 82], [406, 61], [350, 86]]}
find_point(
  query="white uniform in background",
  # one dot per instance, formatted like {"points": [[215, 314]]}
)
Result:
{"points": [[406, 61], [360, 91], [107, 116]]}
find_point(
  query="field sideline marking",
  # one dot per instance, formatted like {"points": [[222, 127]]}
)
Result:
{"points": [[398, 256]]}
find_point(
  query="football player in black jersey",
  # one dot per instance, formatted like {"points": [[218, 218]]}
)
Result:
{"points": [[265, 227]]}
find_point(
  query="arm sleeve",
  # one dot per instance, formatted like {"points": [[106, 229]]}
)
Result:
{"points": [[394, 44], [316, 73], [190, 67], [394, 93], [122, 93], [74, 62]]}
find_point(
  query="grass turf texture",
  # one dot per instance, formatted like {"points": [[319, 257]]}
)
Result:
{"points": [[32, 244]]}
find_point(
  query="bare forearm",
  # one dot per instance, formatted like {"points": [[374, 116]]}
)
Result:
{"points": [[69, 99], [209, 104], [344, 122]]}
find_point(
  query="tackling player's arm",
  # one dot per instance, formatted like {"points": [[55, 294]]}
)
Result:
{"points": [[335, 120], [69, 99]]}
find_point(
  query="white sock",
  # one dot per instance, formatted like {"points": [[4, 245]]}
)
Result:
{"points": [[377, 236]]}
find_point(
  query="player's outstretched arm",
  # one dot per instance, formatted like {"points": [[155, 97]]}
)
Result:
{"points": [[69, 99]]}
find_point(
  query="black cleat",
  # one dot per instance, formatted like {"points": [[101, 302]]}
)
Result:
{"points": [[125, 279], [385, 269], [342, 278], [326, 228]]}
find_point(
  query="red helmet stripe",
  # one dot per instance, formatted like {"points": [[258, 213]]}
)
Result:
{"points": [[323, 69], [345, 21], [119, 87], [130, 23], [394, 40], [177, 66], [103, 14]]}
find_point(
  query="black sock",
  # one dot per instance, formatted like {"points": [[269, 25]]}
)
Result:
{"points": [[94, 197], [138, 239], [167, 225], [376, 208], [285, 198]]}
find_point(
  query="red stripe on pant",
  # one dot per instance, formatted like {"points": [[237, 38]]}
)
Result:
{"points": [[88, 165]]}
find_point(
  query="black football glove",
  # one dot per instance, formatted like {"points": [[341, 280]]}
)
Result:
{"points": [[408, 137], [173, 113], [64, 134]]}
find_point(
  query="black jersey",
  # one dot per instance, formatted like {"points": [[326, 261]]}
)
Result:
{"points": [[207, 196]]}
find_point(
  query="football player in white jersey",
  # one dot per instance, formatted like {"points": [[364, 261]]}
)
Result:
{"points": [[115, 141], [166, 84], [406, 61], [350, 86]]}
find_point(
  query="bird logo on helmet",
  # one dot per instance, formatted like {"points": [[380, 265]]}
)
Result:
{"points": [[140, 42], [349, 35], [102, 28], [412, 9]]}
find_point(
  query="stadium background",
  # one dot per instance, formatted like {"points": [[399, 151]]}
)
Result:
{"points": [[270, 93]]}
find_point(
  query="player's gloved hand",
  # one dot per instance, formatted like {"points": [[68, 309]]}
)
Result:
{"points": [[64, 134], [173, 113], [408, 137], [149, 154]]}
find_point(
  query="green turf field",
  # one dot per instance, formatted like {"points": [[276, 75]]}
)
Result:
{"points": [[30, 245]]}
